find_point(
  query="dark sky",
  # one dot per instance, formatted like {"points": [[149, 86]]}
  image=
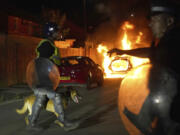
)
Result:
{"points": [[35, 5], [74, 9], [71, 7], [103, 17], [96, 10], [100, 15]]}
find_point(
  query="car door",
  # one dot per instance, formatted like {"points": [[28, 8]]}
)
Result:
{"points": [[94, 70]]}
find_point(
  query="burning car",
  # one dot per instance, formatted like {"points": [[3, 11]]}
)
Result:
{"points": [[118, 66], [80, 71]]}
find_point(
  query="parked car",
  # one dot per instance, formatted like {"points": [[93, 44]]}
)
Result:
{"points": [[80, 71]]}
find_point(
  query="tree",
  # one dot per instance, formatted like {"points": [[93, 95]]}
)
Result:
{"points": [[56, 16]]}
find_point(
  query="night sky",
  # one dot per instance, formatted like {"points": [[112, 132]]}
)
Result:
{"points": [[73, 8], [102, 17], [96, 11]]}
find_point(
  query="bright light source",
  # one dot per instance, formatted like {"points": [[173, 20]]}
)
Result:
{"points": [[132, 15], [51, 29]]}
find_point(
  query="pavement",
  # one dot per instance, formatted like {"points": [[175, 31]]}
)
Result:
{"points": [[15, 92]]}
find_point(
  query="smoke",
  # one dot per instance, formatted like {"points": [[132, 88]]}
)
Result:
{"points": [[116, 12]]}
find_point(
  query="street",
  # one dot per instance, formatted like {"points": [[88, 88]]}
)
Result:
{"points": [[97, 113]]}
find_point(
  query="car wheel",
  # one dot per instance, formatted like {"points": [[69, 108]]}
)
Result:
{"points": [[88, 82], [101, 80]]}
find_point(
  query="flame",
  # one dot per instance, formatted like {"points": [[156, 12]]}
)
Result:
{"points": [[121, 65], [138, 40], [107, 60], [126, 44], [127, 26]]}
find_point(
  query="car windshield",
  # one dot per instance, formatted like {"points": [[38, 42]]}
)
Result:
{"points": [[70, 61]]}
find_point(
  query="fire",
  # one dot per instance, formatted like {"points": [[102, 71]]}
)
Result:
{"points": [[127, 26], [107, 61], [126, 44], [119, 65], [112, 65], [138, 40]]}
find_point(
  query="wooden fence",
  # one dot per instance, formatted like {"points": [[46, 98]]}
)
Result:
{"points": [[17, 51]]}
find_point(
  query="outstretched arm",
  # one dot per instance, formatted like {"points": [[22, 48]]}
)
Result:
{"points": [[139, 52]]}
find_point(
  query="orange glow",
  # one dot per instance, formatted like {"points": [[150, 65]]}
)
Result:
{"points": [[138, 40], [127, 26], [121, 65], [126, 44]]}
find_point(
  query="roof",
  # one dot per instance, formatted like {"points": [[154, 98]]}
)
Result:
{"points": [[72, 57]]}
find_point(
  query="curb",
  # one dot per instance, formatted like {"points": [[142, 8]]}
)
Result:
{"points": [[10, 95]]}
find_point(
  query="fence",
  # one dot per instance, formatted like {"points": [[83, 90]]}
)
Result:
{"points": [[17, 51]]}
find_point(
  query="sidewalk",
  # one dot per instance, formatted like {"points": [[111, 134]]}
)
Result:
{"points": [[15, 92]]}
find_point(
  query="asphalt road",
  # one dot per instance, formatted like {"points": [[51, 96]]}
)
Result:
{"points": [[97, 112]]}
